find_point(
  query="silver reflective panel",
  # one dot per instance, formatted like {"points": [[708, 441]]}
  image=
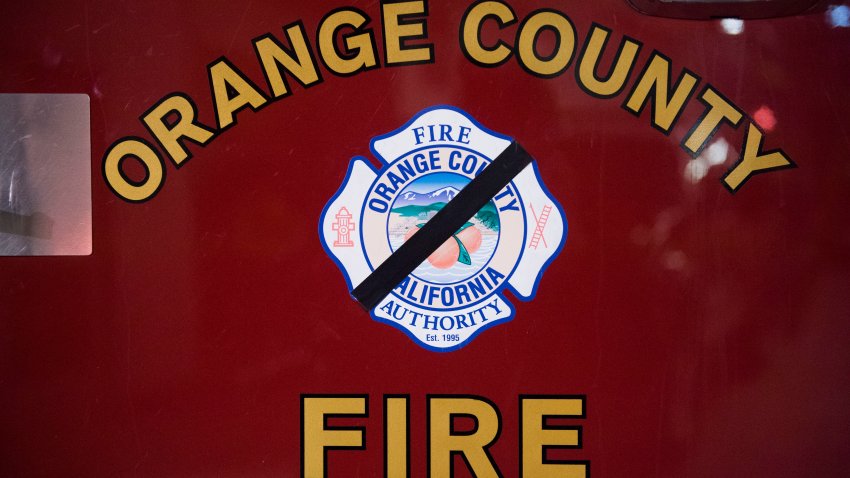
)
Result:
{"points": [[45, 175]]}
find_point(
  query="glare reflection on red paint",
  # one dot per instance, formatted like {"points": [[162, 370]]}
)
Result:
{"points": [[765, 118]]}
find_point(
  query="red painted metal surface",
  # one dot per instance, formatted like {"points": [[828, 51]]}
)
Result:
{"points": [[708, 330]]}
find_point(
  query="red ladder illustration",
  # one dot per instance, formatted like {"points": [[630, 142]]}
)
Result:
{"points": [[538, 229]]}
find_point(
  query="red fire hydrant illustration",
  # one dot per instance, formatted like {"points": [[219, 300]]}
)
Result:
{"points": [[343, 227]]}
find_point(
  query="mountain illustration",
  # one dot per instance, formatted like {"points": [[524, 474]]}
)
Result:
{"points": [[443, 195], [488, 216]]}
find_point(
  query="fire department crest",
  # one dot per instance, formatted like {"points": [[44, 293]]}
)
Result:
{"points": [[457, 291]]}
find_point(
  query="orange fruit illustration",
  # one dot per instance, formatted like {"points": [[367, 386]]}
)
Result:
{"points": [[447, 254]]}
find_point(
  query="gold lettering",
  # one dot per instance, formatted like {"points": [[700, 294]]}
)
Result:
{"points": [[362, 44], [753, 161], [719, 110], [655, 82], [317, 439], [536, 436], [560, 59], [473, 445], [119, 183], [470, 40], [396, 437], [616, 80], [225, 78], [171, 136], [397, 28], [275, 60]]}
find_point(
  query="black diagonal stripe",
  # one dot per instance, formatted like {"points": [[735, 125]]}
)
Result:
{"points": [[440, 228]]}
